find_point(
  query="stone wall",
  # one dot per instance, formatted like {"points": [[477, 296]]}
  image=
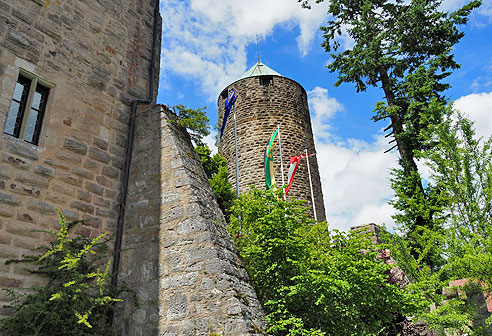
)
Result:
{"points": [[259, 109], [97, 55], [177, 255]]}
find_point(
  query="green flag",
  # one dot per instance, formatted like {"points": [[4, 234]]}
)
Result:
{"points": [[269, 173]]}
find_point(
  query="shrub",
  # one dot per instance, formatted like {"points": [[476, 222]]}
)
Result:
{"points": [[78, 297]]}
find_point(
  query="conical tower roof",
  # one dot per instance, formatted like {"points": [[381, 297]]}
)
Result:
{"points": [[259, 69]]}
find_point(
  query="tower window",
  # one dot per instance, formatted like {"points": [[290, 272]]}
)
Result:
{"points": [[27, 108], [266, 80], [224, 94]]}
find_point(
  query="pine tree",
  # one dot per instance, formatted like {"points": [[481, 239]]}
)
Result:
{"points": [[405, 48]]}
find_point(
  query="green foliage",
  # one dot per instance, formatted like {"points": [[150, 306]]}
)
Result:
{"points": [[312, 281], [421, 215], [78, 297], [404, 47], [215, 167], [194, 120], [211, 163], [461, 167], [460, 315]]}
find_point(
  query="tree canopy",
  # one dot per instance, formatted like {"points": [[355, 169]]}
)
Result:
{"points": [[194, 120], [405, 48]]}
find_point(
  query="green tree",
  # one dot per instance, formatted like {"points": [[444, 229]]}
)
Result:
{"points": [[78, 296], [312, 281], [194, 120], [215, 167], [461, 165], [404, 47]]}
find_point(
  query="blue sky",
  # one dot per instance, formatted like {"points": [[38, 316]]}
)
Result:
{"points": [[208, 44]]}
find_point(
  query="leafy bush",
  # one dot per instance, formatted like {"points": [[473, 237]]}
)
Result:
{"points": [[78, 297], [312, 281]]}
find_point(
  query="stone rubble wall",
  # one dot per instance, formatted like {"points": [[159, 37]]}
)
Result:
{"points": [[177, 254], [97, 54], [259, 109]]}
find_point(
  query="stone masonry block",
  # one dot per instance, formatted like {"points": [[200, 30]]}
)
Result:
{"points": [[16, 162], [23, 152], [75, 146], [41, 208], [31, 179], [99, 155], [177, 307], [179, 280], [9, 199], [44, 171], [82, 206], [6, 211], [24, 190]]}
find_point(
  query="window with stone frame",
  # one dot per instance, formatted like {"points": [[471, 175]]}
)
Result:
{"points": [[266, 80], [27, 108]]}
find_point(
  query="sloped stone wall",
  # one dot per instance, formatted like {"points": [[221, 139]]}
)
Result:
{"points": [[177, 254]]}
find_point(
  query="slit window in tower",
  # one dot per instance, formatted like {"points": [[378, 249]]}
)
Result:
{"points": [[266, 80], [224, 94], [27, 109]]}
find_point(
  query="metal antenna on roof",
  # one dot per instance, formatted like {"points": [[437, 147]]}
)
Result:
{"points": [[257, 49]]}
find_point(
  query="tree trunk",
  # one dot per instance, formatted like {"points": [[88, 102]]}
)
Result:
{"points": [[406, 153]]}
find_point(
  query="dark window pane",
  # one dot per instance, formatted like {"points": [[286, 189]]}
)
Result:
{"points": [[17, 106], [21, 88], [31, 126], [36, 100], [11, 125], [40, 98], [16, 118]]}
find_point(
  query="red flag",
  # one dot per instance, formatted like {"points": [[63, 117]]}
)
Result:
{"points": [[294, 163]]}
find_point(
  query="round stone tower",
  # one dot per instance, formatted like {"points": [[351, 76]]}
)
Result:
{"points": [[267, 99]]}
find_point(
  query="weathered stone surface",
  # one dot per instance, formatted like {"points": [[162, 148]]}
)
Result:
{"points": [[74, 165], [99, 155], [9, 199], [173, 234], [181, 235], [75, 146], [259, 111], [41, 207], [22, 150], [44, 171], [16, 161]]}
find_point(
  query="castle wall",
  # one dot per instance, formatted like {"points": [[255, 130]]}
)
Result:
{"points": [[259, 109], [177, 254], [97, 55]]}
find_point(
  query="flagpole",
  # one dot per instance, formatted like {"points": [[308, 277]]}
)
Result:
{"points": [[311, 185], [235, 144], [281, 160]]}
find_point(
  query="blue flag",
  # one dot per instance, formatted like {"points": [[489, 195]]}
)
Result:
{"points": [[231, 99]]}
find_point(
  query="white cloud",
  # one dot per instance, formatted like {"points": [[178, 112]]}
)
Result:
{"points": [[477, 107], [209, 140], [323, 107], [355, 180], [485, 9], [354, 173], [206, 39]]}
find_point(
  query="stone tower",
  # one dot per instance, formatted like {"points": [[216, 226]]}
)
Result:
{"points": [[266, 99]]}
